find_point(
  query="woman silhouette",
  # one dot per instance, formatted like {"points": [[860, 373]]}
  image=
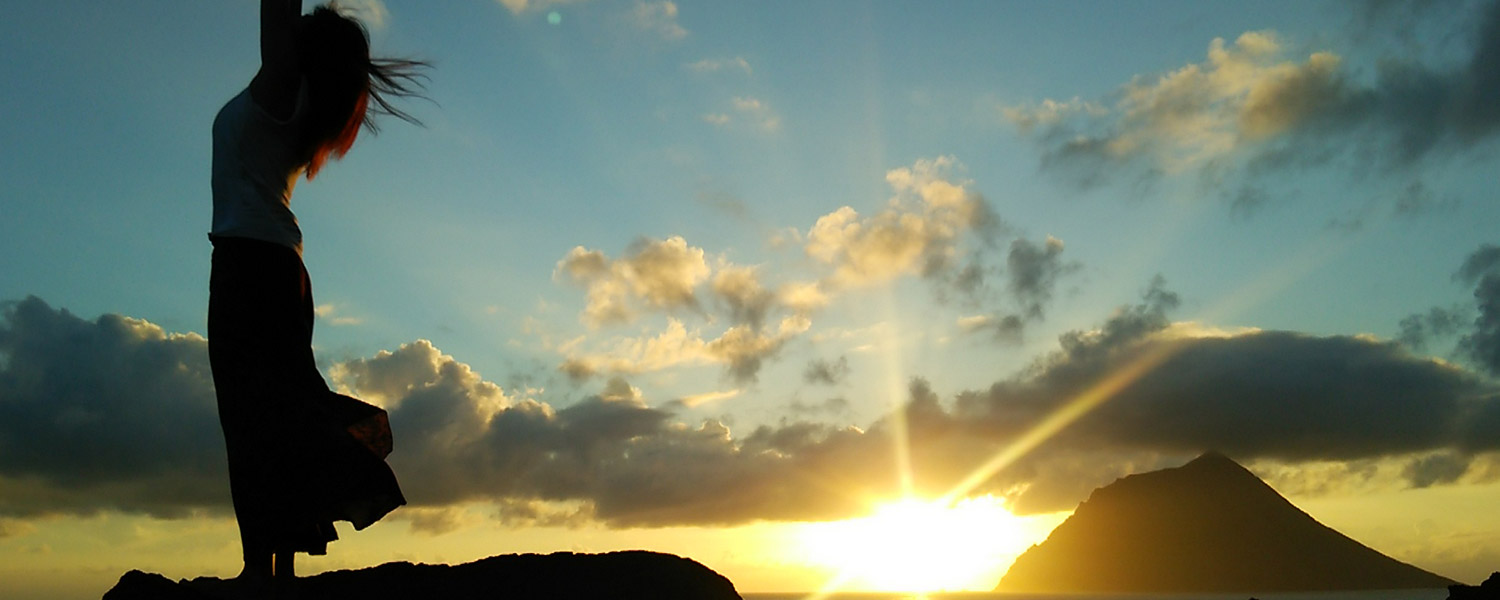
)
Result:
{"points": [[300, 456]]}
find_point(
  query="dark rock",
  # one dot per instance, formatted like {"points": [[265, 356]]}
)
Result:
{"points": [[137, 585], [563, 575], [1209, 526], [1489, 590]]}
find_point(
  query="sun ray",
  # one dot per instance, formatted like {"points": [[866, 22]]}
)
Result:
{"points": [[1065, 415]]}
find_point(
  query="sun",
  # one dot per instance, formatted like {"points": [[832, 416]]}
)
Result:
{"points": [[915, 545]]}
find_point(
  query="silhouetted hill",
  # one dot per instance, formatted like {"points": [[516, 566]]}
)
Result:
{"points": [[564, 575], [1207, 526]]}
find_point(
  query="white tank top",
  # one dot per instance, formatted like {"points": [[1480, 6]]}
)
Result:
{"points": [[256, 163]]}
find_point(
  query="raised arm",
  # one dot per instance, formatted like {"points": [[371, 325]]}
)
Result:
{"points": [[275, 85]]}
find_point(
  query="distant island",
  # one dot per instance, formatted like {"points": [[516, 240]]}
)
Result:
{"points": [[632, 575], [1210, 526]]}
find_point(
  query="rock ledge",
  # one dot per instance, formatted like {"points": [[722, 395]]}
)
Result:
{"points": [[628, 575]]}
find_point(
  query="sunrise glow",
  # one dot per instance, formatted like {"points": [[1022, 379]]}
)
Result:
{"points": [[916, 545]]}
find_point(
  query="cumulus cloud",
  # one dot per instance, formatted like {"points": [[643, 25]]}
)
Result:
{"points": [[1251, 111], [918, 233], [1244, 91], [109, 413], [653, 273]]}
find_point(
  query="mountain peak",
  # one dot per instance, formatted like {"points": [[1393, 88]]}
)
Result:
{"points": [[1212, 458], [1207, 526]]}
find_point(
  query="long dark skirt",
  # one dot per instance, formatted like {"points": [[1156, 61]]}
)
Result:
{"points": [[300, 455]]}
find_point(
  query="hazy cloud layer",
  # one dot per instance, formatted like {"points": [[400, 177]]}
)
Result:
{"points": [[1250, 109]]}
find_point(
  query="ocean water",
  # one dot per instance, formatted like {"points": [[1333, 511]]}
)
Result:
{"points": [[1428, 594]]}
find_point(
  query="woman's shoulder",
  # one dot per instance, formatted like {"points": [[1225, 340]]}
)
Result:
{"points": [[278, 94]]}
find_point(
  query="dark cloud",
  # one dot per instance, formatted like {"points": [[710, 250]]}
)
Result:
{"points": [[1436, 323], [739, 289], [1440, 468], [115, 414], [1031, 276], [1033, 272], [826, 372], [1256, 395], [1482, 344], [109, 413]]}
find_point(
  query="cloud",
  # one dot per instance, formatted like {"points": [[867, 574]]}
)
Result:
{"points": [[696, 400], [434, 521], [1242, 92], [628, 463], [1279, 396], [1249, 112], [659, 18], [110, 413], [1033, 273], [918, 233], [753, 112], [654, 273], [742, 349], [329, 313], [1006, 329], [826, 372], [517, 7], [673, 346], [740, 290], [372, 13], [1482, 344], [715, 65], [1479, 334], [1437, 322], [116, 414]]}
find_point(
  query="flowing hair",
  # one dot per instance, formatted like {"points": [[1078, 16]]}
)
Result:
{"points": [[347, 88]]}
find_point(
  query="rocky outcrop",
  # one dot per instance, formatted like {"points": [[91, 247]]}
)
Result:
{"points": [[1489, 590], [1209, 526], [563, 575]]}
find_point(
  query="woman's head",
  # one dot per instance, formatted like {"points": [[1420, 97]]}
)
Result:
{"points": [[342, 79]]}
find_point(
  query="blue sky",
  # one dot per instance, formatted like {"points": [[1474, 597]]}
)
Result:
{"points": [[784, 220]]}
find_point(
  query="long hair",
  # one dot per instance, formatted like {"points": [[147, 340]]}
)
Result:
{"points": [[346, 88]]}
